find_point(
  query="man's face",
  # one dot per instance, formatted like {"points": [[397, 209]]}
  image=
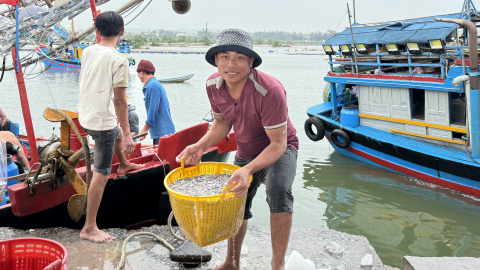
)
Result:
{"points": [[141, 75], [233, 66]]}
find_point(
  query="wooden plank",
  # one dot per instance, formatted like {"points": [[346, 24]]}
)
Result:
{"points": [[417, 123], [50, 116], [425, 136], [64, 135]]}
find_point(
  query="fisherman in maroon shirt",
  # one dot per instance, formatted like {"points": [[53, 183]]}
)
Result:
{"points": [[255, 104]]}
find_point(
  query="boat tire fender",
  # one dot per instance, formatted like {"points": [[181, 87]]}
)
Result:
{"points": [[314, 121], [133, 62], [340, 133]]}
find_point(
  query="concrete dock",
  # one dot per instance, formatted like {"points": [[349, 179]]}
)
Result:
{"points": [[326, 249]]}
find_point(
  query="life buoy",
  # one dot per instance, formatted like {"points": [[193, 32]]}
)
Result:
{"points": [[133, 62], [314, 121], [340, 133]]}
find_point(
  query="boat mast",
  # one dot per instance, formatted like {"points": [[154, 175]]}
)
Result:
{"points": [[23, 92], [94, 15], [354, 49]]}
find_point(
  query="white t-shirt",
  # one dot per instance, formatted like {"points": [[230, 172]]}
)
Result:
{"points": [[103, 68]]}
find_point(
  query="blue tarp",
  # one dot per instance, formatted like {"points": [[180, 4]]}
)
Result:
{"points": [[416, 30]]}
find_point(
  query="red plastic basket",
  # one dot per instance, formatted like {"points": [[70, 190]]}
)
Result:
{"points": [[32, 254]]}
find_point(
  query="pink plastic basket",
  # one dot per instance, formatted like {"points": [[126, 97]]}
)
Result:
{"points": [[32, 254]]}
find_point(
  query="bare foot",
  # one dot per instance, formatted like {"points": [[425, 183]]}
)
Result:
{"points": [[225, 266], [129, 167], [96, 235]]}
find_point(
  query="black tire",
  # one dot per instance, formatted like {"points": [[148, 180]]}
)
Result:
{"points": [[314, 121], [133, 62], [338, 132]]}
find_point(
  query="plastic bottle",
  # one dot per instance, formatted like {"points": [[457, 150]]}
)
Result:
{"points": [[348, 95]]}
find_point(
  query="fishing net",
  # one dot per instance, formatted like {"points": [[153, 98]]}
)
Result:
{"points": [[3, 169]]}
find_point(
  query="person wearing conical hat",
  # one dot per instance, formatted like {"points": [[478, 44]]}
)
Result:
{"points": [[255, 104]]}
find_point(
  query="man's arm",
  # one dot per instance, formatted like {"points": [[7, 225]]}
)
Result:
{"points": [[121, 110], [276, 148], [217, 132], [153, 104], [3, 118], [133, 122]]}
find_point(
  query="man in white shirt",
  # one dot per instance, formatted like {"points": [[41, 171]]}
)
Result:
{"points": [[103, 81]]}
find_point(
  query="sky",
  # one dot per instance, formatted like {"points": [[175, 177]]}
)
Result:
{"points": [[270, 15]]}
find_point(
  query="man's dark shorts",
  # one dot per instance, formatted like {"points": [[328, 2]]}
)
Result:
{"points": [[278, 179], [104, 148]]}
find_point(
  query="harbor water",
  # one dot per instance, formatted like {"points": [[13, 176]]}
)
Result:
{"points": [[399, 215]]}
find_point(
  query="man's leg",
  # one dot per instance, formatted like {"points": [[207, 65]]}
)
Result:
{"points": [[104, 146], [124, 165], [90, 230], [279, 181], [280, 225], [232, 262]]}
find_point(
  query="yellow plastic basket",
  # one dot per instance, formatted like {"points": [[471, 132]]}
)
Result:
{"points": [[206, 220]]}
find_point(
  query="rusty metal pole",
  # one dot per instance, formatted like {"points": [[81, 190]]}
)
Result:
{"points": [[354, 49], [474, 92]]}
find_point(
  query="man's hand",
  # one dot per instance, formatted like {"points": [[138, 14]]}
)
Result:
{"points": [[144, 130], [128, 144], [3, 118], [242, 178], [193, 153]]}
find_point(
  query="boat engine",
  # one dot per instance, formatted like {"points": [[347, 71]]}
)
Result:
{"points": [[181, 6], [45, 148]]}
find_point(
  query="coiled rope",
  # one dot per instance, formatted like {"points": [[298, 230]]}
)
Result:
{"points": [[163, 241]]}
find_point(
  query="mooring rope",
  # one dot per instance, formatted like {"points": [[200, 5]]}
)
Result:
{"points": [[163, 241]]}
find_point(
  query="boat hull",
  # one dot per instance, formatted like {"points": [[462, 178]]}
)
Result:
{"points": [[177, 79], [129, 200], [445, 172], [62, 64]]}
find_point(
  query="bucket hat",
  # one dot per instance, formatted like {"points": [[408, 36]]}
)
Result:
{"points": [[235, 40]]}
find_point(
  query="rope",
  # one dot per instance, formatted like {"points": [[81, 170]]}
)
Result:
{"points": [[170, 217], [138, 13], [163, 241], [122, 259], [466, 149], [3, 68]]}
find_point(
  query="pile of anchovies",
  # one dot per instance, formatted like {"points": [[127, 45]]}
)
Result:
{"points": [[202, 185]]}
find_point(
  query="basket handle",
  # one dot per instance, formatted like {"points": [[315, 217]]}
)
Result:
{"points": [[225, 189]]}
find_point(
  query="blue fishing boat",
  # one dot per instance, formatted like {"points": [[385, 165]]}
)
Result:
{"points": [[404, 95], [177, 79], [72, 59]]}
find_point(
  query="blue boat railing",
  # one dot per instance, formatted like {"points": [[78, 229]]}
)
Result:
{"points": [[455, 51]]}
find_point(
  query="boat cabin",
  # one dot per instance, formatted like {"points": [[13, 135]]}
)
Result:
{"points": [[403, 74]]}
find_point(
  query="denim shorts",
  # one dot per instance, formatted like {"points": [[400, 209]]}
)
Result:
{"points": [[104, 148], [278, 179]]}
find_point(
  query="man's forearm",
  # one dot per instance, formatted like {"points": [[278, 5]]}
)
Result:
{"points": [[121, 109], [217, 132], [267, 157]]}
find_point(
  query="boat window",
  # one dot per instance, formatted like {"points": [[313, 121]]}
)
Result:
{"points": [[458, 115], [418, 104]]}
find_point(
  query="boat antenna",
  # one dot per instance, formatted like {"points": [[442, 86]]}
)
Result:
{"points": [[354, 49], [354, 14]]}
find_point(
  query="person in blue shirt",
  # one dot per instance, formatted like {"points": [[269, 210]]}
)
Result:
{"points": [[159, 120]]}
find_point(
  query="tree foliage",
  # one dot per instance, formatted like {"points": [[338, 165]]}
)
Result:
{"points": [[155, 41], [137, 41]]}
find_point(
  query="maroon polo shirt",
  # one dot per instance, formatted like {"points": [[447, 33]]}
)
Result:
{"points": [[261, 106]]}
